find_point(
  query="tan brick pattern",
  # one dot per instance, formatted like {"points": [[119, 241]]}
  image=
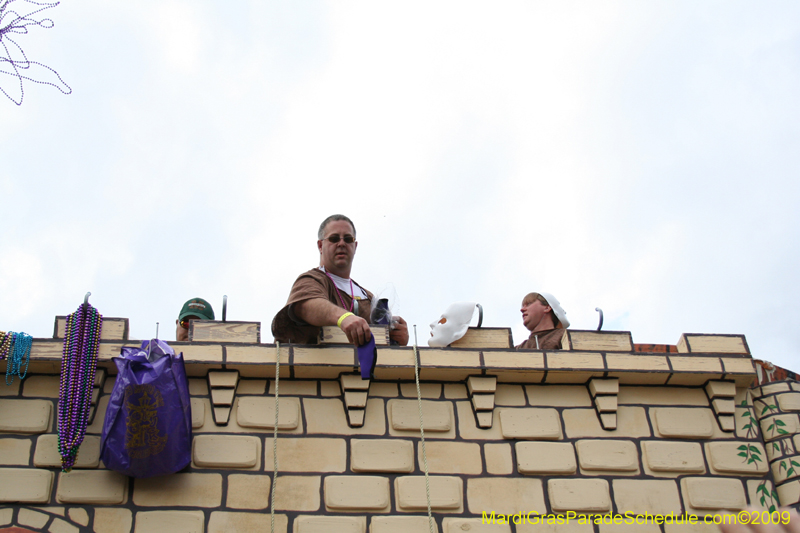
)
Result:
{"points": [[599, 431], [579, 495], [498, 459], [505, 495], [327, 416], [112, 520], [647, 496], [41, 387], [541, 458], [224, 522], [25, 485], [404, 415], [169, 522], [356, 494], [401, 524], [15, 452], [472, 525], [582, 423], [445, 491], [530, 423], [179, 490], [452, 457], [704, 495], [298, 493], [47, 455], [92, 487], [249, 491], [382, 455], [682, 423], [673, 457], [226, 451], [330, 524], [25, 416], [308, 454], [608, 455]]}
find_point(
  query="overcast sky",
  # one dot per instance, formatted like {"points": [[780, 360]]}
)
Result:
{"points": [[637, 156]]}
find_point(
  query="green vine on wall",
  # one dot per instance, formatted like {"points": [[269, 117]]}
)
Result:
{"points": [[767, 496], [750, 453], [767, 407], [777, 426], [790, 471], [751, 427], [783, 447]]}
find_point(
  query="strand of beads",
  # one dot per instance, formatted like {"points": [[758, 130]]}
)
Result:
{"points": [[19, 353], [78, 367], [5, 343]]}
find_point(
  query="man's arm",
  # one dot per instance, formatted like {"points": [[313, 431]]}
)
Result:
{"points": [[400, 332], [320, 312]]}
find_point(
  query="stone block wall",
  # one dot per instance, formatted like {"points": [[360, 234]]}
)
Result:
{"points": [[775, 411], [505, 432]]}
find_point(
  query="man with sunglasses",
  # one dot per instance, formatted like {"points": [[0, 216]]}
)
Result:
{"points": [[326, 296], [194, 309]]}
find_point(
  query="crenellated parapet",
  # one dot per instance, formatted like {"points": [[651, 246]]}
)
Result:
{"points": [[597, 427]]}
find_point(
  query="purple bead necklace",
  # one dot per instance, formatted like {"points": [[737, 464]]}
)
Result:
{"points": [[78, 366]]}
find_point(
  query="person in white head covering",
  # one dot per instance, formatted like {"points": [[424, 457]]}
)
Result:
{"points": [[544, 317]]}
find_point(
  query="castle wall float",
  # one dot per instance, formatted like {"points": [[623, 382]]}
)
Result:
{"points": [[595, 428]]}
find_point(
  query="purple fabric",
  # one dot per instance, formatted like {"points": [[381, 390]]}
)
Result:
{"points": [[148, 426], [367, 354]]}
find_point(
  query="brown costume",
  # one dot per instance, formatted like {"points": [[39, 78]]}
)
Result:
{"points": [[549, 339], [286, 327]]}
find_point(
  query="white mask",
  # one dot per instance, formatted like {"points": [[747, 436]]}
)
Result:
{"points": [[452, 325]]}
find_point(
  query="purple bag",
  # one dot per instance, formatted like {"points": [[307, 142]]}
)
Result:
{"points": [[148, 426]]}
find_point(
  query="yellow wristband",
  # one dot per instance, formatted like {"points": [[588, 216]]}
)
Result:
{"points": [[341, 318]]}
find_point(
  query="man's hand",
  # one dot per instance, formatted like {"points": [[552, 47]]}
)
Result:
{"points": [[357, 330], [400, 331]]}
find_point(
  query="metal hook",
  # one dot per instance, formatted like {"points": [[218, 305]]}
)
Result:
{"points": [[600, 325], [224, 307], [480, 314], [86, 298]]}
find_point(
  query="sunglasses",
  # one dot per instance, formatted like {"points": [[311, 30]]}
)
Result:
{"points": [[185, 322], [348, 239]]}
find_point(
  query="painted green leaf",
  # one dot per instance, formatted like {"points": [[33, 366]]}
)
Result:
{"points": [[779, 422]]}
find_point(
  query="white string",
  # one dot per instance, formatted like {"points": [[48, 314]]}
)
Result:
{"points": [[422, 431], [275, 438]]}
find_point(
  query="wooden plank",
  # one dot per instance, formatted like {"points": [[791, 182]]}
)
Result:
{"points": [[601, 341], [485, 338], [216, 330], [334, 335], [114, 329], [703, 343]]}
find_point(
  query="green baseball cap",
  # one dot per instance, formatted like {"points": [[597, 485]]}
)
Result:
{"points": [[197, 307]]}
